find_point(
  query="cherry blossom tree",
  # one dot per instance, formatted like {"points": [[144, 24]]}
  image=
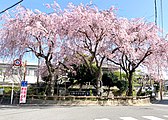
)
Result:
{"points": [[81, 34], [89, 33], [140, 42], [27, 31]]}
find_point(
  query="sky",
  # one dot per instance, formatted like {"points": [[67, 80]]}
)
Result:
{"points": [[126, 8]]}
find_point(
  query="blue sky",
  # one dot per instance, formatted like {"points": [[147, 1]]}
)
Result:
{"points": [[126, 8]]}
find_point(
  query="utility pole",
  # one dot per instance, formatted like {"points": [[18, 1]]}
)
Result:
{"points": [[161, 81], [155, 3], [161, 9], [38, 75]]}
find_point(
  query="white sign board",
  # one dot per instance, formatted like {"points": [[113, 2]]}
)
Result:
{"points": [[23, 92], [1, 91]]}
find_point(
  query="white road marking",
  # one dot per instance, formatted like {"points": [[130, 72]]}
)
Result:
{"points": [[165, 116], [131, 118], [128, 118], [102, 119], [152, 118]]}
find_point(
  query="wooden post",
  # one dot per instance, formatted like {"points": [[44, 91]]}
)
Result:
{"points": [[25, 69]]}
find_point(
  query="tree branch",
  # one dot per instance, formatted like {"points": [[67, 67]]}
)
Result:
{"points": [[114, 62], [146, 55]]}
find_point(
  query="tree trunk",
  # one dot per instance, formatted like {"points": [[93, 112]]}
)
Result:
{"points": [[99, 83], [108, 92], [80, 89], [130, 84], [52, 84], [51, 77]]}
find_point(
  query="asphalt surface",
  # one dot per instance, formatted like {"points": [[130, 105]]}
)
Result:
{"points": [[156, 111]]}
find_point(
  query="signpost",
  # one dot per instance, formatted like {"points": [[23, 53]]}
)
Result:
{"points": [[23, 92], [12, 93]]}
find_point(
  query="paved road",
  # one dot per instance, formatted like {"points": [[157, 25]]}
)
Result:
{"points": [[157, 111]]}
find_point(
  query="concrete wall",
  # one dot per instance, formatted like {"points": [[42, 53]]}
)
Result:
{"points": [[90, 100]]}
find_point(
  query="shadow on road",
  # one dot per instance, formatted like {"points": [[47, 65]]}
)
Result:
{"points": [[162, 102]]}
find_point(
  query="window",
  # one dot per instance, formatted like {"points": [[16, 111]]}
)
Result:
{"points": [[31, 72]]}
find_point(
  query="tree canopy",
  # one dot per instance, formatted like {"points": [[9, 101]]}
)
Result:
{"points": [[82, 34]]}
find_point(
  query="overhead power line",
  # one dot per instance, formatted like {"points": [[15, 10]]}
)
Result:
{"points": [[11, 6]]}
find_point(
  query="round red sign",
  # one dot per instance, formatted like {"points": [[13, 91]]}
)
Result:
{"points": [[17, 62]]}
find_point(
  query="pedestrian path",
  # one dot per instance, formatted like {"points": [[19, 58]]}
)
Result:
{"points": [[163, 117]]}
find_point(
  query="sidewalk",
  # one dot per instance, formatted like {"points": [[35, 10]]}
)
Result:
{"points": [[158, 100], [8, 106]]}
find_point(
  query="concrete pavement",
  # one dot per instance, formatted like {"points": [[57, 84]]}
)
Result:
{"points": [[156, 111]]}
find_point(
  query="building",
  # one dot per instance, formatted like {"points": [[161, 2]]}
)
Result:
{"points": [[165, 85], [10, 73]]}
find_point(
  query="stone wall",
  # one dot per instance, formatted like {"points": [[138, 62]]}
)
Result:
{"points": [[91, 100], [79, 100]]}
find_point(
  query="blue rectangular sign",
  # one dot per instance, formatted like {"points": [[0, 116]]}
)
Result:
{"points": [[24, 84]]}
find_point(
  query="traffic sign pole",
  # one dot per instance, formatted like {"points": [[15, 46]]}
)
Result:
{"points": [[12, 93], [25, 69]]}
